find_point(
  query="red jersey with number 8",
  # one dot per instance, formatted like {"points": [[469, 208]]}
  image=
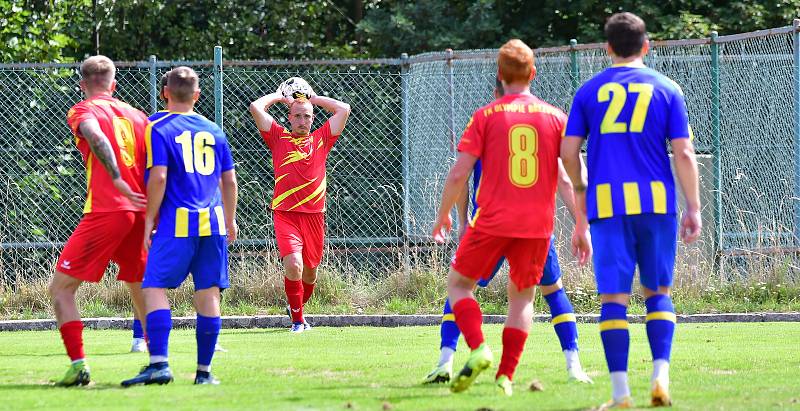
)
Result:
{"points": [[124, 127], [517, 139]]}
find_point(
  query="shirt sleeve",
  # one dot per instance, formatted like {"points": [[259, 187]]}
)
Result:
{"points": [[225, 156], [325, 135], [576, 122], [76, 115], [156, 148], [679, 117], [472, 139], [272, 134]]}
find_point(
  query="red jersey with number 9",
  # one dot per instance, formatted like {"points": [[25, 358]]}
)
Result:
{"points": [[124, 127], [517, 139]]}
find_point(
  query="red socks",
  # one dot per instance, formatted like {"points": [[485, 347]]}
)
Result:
{"points": [[469, 319], [294, 295], [308, 289], [72, 334], [513, 344]]}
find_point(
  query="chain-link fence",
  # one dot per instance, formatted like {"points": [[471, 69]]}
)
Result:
{"points": [[386, 172]]}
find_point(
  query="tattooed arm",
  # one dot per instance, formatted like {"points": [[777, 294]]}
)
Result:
{"points": [[102, 150]]}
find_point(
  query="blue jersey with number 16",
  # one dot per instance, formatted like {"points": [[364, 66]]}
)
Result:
{"points": [[628, 113], [196, 153]]}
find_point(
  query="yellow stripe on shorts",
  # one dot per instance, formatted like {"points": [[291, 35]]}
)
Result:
{"points": [[448, 317]]}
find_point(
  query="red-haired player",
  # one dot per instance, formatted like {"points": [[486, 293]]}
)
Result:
{"points": [[517, 139]]}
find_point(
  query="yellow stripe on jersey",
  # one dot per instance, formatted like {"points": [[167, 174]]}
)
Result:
{"points": [[204, 222], [661, 315], [321, 142], [87, 206], [279, 199], [659, 197], [148, 139], [278, 180], [563, 318], [448, 317], [293, 157], [320, 191], [220, 220], [633, 203], [181, 222], [474, 218], [613, 325], [605, 207]]}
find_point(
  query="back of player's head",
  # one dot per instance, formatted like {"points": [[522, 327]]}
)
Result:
{"points": [[515, 62], [97, 72], [163, 85], [499, 91], [626, 34], [182, 84]]}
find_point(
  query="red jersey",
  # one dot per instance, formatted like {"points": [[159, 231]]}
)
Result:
{"points": [[299, 164], [124, 127], [517, 139]]}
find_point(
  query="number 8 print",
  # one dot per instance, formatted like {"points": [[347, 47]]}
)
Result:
{"points": [[523, 165]]}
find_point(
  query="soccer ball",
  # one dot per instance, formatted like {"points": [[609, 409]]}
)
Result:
{"points": [[296, 88]]}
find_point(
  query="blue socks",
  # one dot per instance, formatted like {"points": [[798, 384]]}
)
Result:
{"points": [[207, 333], [563, 320], [159, 324], [615, 336], [660, 325], [138, 332], [449, 330]]}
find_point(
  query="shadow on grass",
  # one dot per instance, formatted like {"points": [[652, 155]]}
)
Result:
{"points": [[51, 386]]}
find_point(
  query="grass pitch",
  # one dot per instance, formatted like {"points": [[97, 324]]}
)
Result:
{"points": [[714, 366]]}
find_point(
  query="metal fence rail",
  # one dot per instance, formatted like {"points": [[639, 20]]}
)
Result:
{"points": [[386, 171]]}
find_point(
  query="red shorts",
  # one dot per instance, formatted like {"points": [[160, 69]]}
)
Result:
{"points": [[478, 253], [103, 237], [300, 233]]}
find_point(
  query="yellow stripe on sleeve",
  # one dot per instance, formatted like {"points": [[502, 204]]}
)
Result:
{"points": [[448, 317], [661, 315], [613, 325], [563, 318], [204, 222], [659, 197], [221, 220], [605, 208], [181, 222], [633, 203]]}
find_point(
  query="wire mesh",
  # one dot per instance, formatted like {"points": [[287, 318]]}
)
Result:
{"points": [[386, 173]]}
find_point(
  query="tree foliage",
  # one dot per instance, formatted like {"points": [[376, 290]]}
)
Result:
{"points": [[63, 30]]}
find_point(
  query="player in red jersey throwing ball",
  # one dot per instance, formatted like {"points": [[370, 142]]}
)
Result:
{"points": [[517, 138], [110, 136], [298, 203]]}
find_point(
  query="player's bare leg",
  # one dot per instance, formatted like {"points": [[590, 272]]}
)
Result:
{"points": [[62, 289], [469, 319], [515, 333], [614, 333], [574, 368], [139, 313], [159, 324], [293, 275], [660, 329], [207, 306]]}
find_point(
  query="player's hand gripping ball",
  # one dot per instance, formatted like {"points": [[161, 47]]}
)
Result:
{"points": [[296, 88]]}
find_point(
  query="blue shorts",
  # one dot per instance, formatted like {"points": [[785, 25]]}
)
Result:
{"points": [[552, 271], [172, 259], [621, 243]]}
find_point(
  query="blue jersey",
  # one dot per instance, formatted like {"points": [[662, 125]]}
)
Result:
{"points": [[628, 113], [196, 153]]}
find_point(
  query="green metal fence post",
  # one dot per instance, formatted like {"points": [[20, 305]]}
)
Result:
{"points": [[574, 65], [153, 85], [218, 85], [717, 149], [796, 41], [451, 102], [404, 67]]}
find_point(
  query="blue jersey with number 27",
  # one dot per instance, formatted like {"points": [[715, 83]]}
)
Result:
{"points": [[628, 113]]}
